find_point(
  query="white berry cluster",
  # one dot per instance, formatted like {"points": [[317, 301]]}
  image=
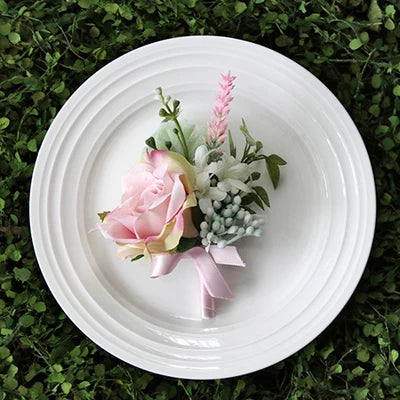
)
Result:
{"points": [[226, 221]]}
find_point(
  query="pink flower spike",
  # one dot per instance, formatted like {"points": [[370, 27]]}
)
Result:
{"points": [[218, 124]]}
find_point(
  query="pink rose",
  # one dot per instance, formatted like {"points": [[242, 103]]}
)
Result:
{"points": [[155, 206]]}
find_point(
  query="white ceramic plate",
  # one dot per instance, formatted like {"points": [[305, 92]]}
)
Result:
{"points": [[299, 274]]}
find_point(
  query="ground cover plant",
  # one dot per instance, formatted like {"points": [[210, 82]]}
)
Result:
{"points": [[48, 48]]}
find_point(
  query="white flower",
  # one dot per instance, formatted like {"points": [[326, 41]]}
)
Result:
{"points": [[231, 176], [204, 191]]}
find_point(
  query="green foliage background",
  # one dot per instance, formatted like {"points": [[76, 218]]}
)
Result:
{"points": [[48, 48]]}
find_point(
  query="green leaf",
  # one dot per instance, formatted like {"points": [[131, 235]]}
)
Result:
{"points": [[99, 370], [273, 171], [4, 122], [5, 28], [389, 24], [66, 387], [102, 215], [39, 307], [84, 3], [3, 6], [186, 244], [262, 194], [276, 159], [4, 352], [283, 41], [193, 136], [13, 253], [375, 13], [355, 44], [376, 81], [26, 320], [10, 383], [249, 140], [22, 274], [14, 37], [255, 176], [240, 7], [396, 90], [256, 199], [56, 377], [32, 146], [138, 257], [394, 354], [363, 355], [361, 394], [151, 142], [232, 147]]}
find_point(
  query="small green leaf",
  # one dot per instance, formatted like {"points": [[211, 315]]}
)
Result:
{"points": [[388, 144], [4, 122], [262, 194], [66, 387], [255, 199], [355, 44], [361, 394], [363, 355], [5, 29], [39, 307], [103, 214], [32, 146], [94, 32], [376, 81], [4, 352], [10, 383], [232, 147], [389, 24], [240, 7], [358, 371], [249, 140], [13, 253], [276, 159], [255, 176], [375, 13], [151, 142], [14, 37], [22, 274], [394, 354], [56, 377], [26, 320], [148, 33], [138, 257], [99, 370], [273, 171], [186, 244], [396, 90], [3, 6]]}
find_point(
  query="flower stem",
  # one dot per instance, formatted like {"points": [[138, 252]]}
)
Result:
{"points": [[181, 136]]}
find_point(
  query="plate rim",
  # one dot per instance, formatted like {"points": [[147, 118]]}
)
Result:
{"points": [[369, 180]]}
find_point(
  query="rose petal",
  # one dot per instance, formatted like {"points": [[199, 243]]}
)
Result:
{"points": [[151, 222], [118, 233], [178, 197]]}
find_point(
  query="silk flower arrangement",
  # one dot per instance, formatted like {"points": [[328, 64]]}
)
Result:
{"points": [[191, 196]]}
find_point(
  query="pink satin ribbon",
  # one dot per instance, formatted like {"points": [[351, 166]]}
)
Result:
{"points": [[212, 283]]}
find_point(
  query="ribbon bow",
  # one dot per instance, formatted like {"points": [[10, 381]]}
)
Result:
{"points": [[212, 283]]}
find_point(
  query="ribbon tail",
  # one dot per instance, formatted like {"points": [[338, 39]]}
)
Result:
{"points": [[209, 274], [163, 264], [227, 255]]}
